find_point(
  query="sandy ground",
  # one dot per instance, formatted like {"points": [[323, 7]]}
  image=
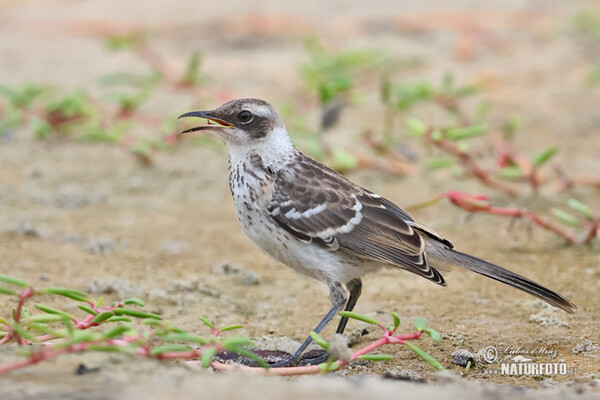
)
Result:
{"points": [[105, 224]]}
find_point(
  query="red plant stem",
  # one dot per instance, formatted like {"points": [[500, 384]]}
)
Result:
{"points": [[586, 180], [593, 231], [478, 203], [393, 161], [143, 351], [469, 163], [27, 293], [43, 355], [186, 354], [8, 337], [549, 226]]}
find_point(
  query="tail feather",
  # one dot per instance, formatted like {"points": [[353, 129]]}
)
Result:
{"points": [[438, 252]]}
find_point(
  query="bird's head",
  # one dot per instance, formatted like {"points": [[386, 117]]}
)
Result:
{"points": [[243, 122]]}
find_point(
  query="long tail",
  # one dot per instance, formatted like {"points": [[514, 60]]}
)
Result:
{"points": [[437, 252]]}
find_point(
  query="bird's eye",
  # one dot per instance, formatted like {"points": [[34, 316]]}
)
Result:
{"points": [[245, 117]]}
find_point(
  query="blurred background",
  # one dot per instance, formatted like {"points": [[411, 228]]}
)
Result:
{"points": [[421, 101]]}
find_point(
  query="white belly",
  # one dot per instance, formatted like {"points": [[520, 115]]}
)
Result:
{"points": [[305, 258]]}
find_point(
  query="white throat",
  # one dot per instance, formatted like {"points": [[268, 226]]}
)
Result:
{"points": [[275, 149]]}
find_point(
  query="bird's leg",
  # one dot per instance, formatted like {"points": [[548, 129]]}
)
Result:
{"points": [[338, 299], [355, 289]]}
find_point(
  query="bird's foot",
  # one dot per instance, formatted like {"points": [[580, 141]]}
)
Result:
{"points": [[275, 359], [314, 357]]}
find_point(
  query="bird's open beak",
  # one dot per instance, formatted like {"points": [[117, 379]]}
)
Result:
{"points": [[206, 115]]}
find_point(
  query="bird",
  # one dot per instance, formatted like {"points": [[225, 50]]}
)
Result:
{"points": [[319, 223]]}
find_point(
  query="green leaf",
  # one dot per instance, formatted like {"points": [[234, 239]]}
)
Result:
{"points": [[425, 356], [103, 316], [463, 146], [169, 348], [436, 135], [45, 318], [231, 327], [396, 318], [106, 348], [512, 125], [385, 89], [7, 291], [207, 356], [23, 95], [318, 339], [40, 328], [360, 317], [468, 132], [119, 319], [566, 218], [192, 75], [185, 337], [75, 105], [135, 313], [415, 127], [79, 336], [87, 309], [51, 310], [544, 156], [510, 172], [331, 74], [420, 323], [41, 128], [448, 83], [407, 95], [11, 280], [328, 367], [69, 325], [236, 344], [581, 207], [70, 293], [435, 335], [3, 321], [116, 331], [206, 322], [120, 42], [465, 91], [236, 341], [439, 163], [23, 333], [175, 329], [134, 300], [343, 160], [376, 357]]}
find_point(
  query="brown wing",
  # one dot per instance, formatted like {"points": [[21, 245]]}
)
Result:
{"points": [[315, 203]]}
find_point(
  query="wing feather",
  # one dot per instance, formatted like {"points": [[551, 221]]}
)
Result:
{"points": [[324, 207]]}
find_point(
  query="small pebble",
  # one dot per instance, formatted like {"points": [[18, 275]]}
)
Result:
{"points": [[462, 357], [585, 347], [403, 374], [28, 228]]}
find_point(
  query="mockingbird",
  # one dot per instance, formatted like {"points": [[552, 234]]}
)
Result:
{"points": [[320, 224]]}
